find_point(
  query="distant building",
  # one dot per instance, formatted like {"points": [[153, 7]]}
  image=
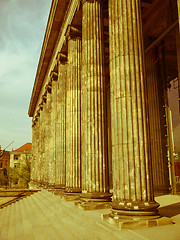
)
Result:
{"points": [[21, 154], [5, 159]]}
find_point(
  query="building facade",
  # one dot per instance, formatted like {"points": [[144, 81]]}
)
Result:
{"points": [[99, 105], [21, 155]]}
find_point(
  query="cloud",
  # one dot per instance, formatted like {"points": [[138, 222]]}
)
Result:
{"points": [[22, 24]]}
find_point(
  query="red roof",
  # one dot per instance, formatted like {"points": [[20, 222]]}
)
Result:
{"points": [[25, 147]]}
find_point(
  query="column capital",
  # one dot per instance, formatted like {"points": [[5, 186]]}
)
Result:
{"points": [[49, 87], [73, 33], [33, 123], [61, 58], [54, 76], [41, 106], [38, 113], [36, 118], [44, 97], [92, 1]]}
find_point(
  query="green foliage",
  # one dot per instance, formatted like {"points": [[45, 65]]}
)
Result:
{"points": [[20, 176], [3, 178], [12, 176]]}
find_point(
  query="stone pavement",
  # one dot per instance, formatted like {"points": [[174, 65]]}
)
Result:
{"points": [[44, 216]]}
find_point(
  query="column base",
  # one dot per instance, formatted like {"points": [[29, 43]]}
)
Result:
{"points": [[73, 190], [133, 215], [132, 208], [93, 201], [70, 197], [71, 194], [59, 186], [58, 192], [34, 185], [134, 223], [96, 197], [93, 205]]}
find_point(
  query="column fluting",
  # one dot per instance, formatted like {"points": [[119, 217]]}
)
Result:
{"points": [[132, 173], [61, 122], [159, 161], [93, 142], [73, 113]]}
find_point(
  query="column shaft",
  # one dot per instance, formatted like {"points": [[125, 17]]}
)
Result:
{"points": [[42, 126], [38, 159], [61, 126], [73, 117], [94, 149], [49, 134], [159, 161], [132, 176], [34, 152], [46, 142], [52, 129]]}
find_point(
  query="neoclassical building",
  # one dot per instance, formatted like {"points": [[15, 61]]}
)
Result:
{"points": [[99, 107]]}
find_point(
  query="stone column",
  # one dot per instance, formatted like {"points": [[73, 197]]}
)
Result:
{"points": [[73, 112], [43, 139], [40, 144], [34, 152], [49, 134], [159, 161], [61, 122], [132, 174], [38, 139], [52, 107], [54, 78], [93, 127]]}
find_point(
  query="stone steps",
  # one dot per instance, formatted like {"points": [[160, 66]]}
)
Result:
{"points": [[70, 221], [46, 216], [88, 219]]}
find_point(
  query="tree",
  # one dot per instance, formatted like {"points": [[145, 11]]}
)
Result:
{"points": [[20, 176]]}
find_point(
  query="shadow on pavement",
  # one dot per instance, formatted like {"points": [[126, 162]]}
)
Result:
{"points": [[170, 210]]}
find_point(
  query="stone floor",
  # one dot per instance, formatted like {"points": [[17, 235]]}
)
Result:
{"points": [[44, 216]]}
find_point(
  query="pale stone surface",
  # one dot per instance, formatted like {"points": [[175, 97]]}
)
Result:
{"points": [[94, 149], [49, 115], [45, 216], [37, 159], [73, 116], [132, 176], [42, 167], [47, 119], [54, 77], [34, 152], [61, 123]]}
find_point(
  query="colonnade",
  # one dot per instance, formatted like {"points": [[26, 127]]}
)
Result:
{"points": [[70, 143]]}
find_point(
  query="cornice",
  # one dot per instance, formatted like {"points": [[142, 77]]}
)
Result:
{"points": [[55, 22]]}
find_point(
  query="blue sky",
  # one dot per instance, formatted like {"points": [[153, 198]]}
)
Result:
{"points": [[22, 24]]}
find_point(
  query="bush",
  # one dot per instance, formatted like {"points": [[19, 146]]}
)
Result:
{"points": [[19, 177]]}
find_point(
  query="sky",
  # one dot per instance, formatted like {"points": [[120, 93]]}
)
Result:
{"points": [[22, 29]]}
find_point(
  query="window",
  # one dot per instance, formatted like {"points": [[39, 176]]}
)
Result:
{"points": [[17, 165], [16, 157]]}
